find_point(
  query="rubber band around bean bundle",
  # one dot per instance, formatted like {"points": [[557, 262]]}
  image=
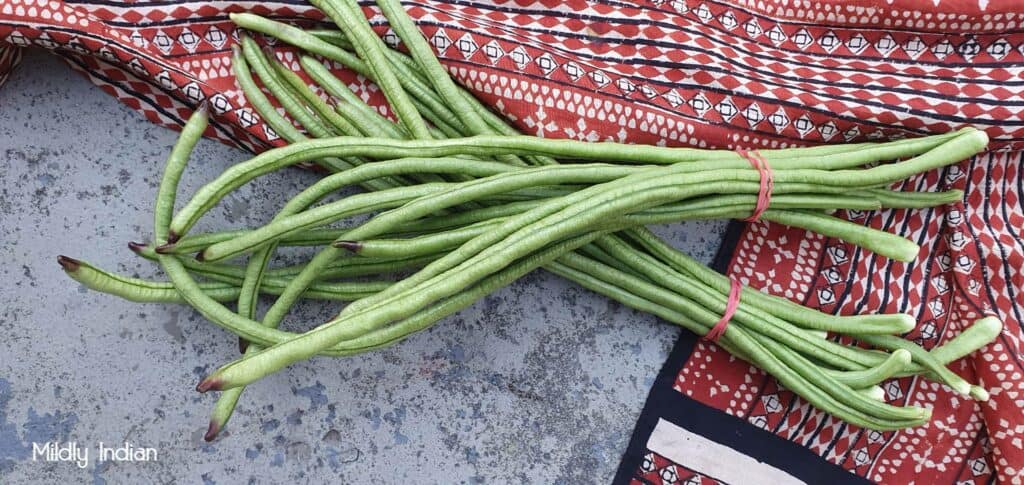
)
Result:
{"points": [[764, 194], [733, 303]]}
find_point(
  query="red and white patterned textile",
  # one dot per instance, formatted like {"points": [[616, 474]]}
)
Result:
{"points": [[750, 73]]}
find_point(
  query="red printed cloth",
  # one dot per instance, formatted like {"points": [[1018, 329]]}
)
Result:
{"points": [[743, 74]]}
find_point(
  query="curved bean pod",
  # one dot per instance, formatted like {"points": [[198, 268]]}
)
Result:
{"points": [[780, 307], [955, 149], [146, 291]]}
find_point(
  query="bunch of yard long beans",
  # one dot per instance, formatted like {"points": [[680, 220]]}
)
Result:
{"points": [[467, 205]]}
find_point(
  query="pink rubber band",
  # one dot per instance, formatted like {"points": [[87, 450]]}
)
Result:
{"points": [[718, 330], [764, 194]]}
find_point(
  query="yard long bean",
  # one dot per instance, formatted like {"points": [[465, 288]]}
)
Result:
{"points": [[501, 220], [955, 149]]}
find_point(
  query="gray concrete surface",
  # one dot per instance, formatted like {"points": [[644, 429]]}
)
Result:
{"points": [[539, 383]]}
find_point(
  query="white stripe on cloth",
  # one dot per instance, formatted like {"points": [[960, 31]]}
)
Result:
{"points": [[713, 459]]}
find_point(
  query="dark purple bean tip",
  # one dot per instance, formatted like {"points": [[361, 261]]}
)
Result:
{"points": [[353, 246], [243, 345], [200, 257], [136, 247], [165, 248], [69, 264], [212, 431], [172, 237], [209, 384]]}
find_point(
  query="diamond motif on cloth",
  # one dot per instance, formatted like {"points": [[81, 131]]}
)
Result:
{"points": [[728, 20], [942, 49], [625, 85], [803, 125], [600, 78], [957, 240], [493, 51], [16, 38], [978, 466], [827, 130], [189, 40], [727, 109], [968, 49], [467, 46], [76, 45], [668, 474], [164, 78], [893, 390], [647, 464], [861, 456], [137, 39], [830, 41], [246, 117], [547, 63], [838, 254], [269, 132], [753, 114], [955, 217], [857, 44], [937, 307], [832, 275], [851, 134], [953, 174], [826, 296], [45, 41], [573, 70], [779, 119], [391, 38], [220, 103], [973, 286], [193, 92], [703, 12], [699, 103], [107, 54], [885, 45], [440, 41], [963, 264], [215, 37], [163, 42], [776, 35], [875, 436], [520, 57], [928, 330], [136, 65], [802, 38], [752, 28], [914, 47], [999, 49], [680, 6]]}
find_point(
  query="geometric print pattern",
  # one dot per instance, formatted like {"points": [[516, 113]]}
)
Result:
{"points": [[655, 469], [707, 73], [971, 266]]}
